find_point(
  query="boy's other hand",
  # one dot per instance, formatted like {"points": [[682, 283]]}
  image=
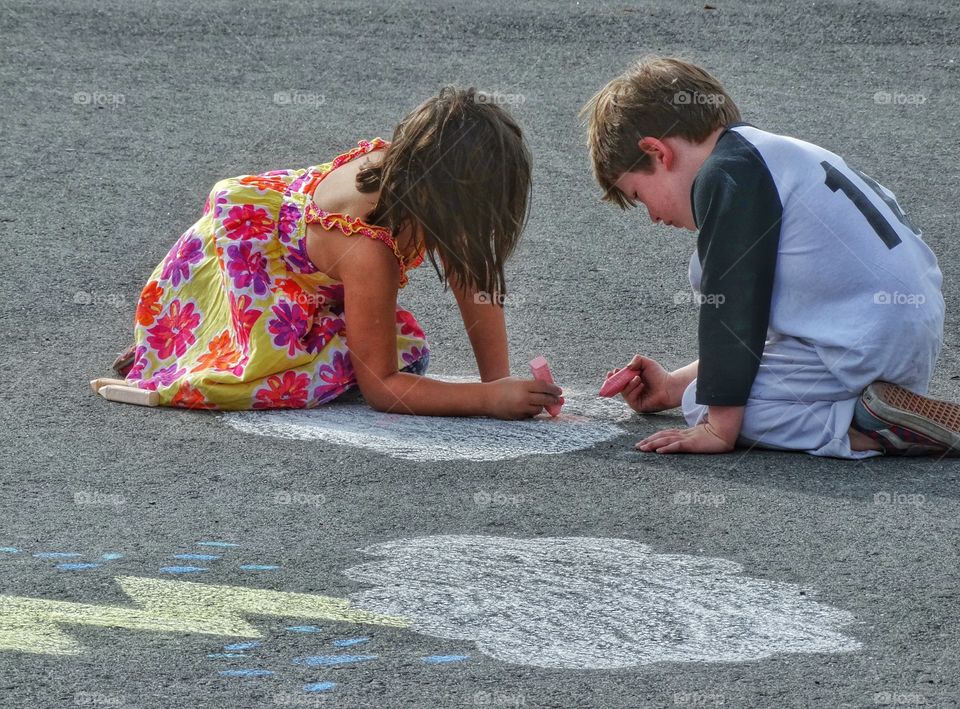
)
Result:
{"points": [[653, 389], [699, 439]]}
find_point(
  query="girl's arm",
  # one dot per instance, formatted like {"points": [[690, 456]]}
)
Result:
{"points": [[486, 327], [370, 275]]}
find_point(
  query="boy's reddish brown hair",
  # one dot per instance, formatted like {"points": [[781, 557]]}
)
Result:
{"points": [[658, 97]]}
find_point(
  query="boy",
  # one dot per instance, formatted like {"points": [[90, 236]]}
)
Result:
{"points": [[820, 314]]}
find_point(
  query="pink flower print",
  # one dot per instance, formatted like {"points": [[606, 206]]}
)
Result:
{"points": [[289, 326], [187, 250], [173, 333], [339, 371], [248, 267], [243, 317], [408, 324], [241, 365], [139, 362], [283, 391], [323, 330], [247, 221], [289, 217], [298, 182]]}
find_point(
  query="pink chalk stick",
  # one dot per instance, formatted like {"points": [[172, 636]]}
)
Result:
{"points": [[618, 381], [541, 372]]}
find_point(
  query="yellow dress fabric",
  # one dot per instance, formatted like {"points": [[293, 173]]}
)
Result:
{"points": [[237, 317]]}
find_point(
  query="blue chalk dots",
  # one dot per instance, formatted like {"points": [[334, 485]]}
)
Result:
{"points": [[331, 660], [444, 659], [258, 567], [243, 646], [303, 628], [319, 687], [56, 555], [246, 673], [183, 569], [217, 544], [197, 557], [9, 550], [349, 642], [111, 556]]}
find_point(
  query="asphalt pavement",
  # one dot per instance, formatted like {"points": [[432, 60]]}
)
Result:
{"points": [[609, 578]]}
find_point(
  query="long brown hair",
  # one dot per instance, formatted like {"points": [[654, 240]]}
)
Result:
{"points": [[457, 172]]}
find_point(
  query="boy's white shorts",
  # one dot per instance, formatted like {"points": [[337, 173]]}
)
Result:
{"points": [[796, 403]]}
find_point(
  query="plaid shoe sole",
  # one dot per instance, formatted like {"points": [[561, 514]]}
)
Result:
{"points": [[906, 423]]}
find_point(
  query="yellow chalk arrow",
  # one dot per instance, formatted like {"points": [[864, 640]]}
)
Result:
{"points": [[31, 624]]}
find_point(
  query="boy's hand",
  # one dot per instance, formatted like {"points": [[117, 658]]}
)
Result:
{"points": [[652, 389], [516, 398], [699, 439]]}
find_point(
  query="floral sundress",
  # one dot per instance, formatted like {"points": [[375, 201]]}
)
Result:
{"points": [[238, 317]]}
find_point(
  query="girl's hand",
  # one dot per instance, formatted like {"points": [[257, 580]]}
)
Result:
{"points": [[653, 389], [699, 439], [516, 398]]}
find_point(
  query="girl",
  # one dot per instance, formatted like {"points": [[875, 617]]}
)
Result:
{"points": [[284, 293]]}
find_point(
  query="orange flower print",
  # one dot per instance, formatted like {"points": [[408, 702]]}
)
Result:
{"points": [[314, 179], [283, 391], [292, 290], [189, 398], [244, 317], [264, 183], [149, 306], [223, 355]]}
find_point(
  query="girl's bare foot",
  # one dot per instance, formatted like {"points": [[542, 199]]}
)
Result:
{"points": [[124, 362]]}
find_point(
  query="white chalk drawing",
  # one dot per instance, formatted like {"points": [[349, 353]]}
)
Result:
{"points": [[592, 603], [585, 421]]}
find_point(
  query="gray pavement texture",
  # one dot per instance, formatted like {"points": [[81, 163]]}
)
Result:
{"points": [[94, 193]]}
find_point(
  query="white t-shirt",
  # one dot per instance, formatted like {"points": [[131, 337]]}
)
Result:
{"points": [[795, 242]]}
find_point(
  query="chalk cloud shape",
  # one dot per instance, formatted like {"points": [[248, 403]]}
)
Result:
{"points": [[585, 421], [595, 603]]}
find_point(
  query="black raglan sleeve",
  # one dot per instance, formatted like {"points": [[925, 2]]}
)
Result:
{"points": [[738, 210]]}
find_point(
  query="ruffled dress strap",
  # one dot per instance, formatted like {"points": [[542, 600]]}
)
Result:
{"points": [[355, 226]]}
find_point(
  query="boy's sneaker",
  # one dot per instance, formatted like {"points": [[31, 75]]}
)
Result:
{"points": [[906, 423]]}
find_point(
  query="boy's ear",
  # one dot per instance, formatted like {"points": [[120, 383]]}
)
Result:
{"points": [[658, 151]]}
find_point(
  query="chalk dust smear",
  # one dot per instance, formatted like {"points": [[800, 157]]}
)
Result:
{"points": [[585, 421]]}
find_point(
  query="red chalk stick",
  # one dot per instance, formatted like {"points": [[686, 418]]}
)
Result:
{"points": [[541, 372], [618, 381]]}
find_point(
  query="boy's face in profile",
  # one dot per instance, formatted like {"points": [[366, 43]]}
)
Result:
{"points": [[665, 191]]}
